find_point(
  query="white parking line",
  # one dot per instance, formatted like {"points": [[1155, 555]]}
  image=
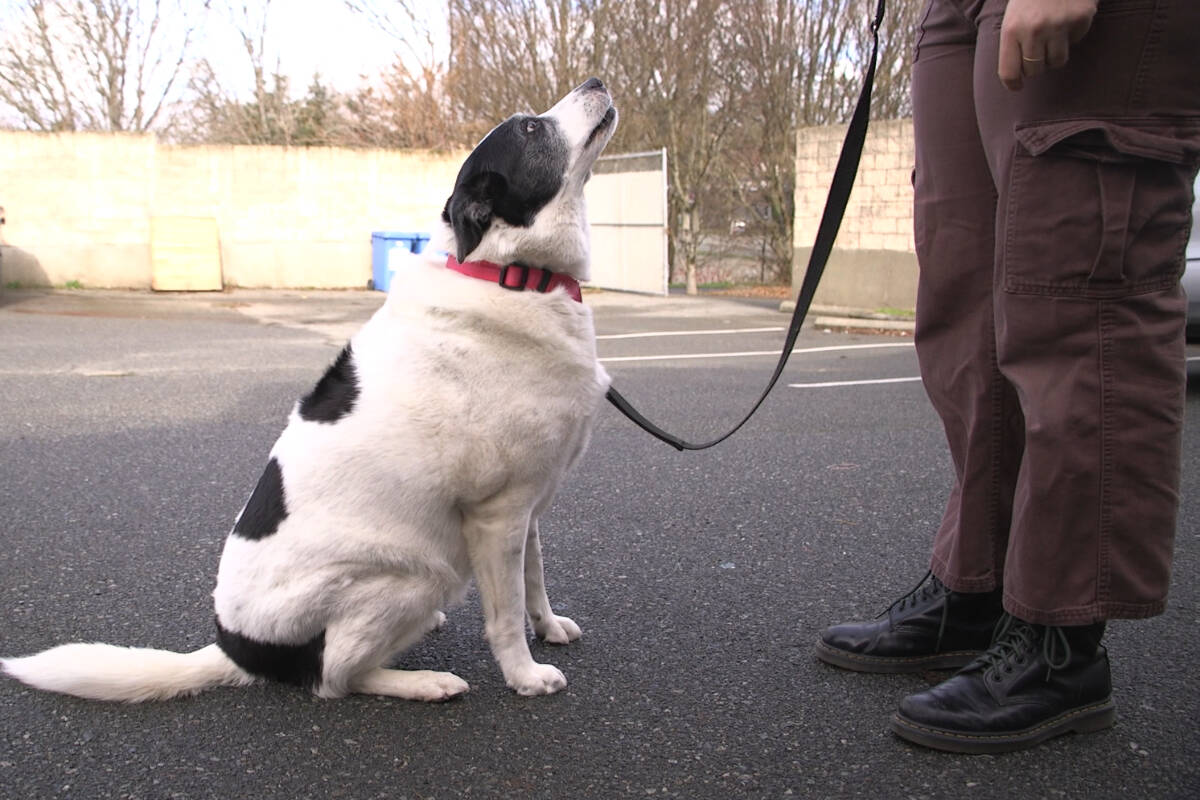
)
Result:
{"points": [[880, 380], [746, 353], [653, 334], [682, 356], [850, 383], [830, 384]]}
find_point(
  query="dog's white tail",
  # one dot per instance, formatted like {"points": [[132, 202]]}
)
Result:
{"points": [[131, 674]]}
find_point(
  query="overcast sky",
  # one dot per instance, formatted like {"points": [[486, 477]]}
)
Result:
{"points": [[306, 37], [303, 37]]}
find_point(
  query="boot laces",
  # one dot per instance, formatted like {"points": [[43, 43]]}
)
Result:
{"points": [[1015, 639], [921, 593], [918, 594]]}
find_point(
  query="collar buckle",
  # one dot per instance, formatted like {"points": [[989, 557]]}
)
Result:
{"points": [[521, 285]]}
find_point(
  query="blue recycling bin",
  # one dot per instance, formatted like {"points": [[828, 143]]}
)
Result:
{"points": [[382, 244]]}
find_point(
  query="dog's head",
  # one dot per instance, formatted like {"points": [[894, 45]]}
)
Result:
{"points": [[519, 195]]}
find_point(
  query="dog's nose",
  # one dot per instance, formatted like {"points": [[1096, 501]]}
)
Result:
{"points": [[591, 84]]}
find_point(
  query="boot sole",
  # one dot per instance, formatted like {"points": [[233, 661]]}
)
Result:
{"points": [[894, 664], [1087, 719]]}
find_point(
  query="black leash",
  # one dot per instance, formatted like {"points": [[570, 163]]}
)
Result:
{"points": [[831, 220]]}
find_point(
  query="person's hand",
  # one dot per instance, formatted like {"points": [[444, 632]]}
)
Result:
{"points": [[1037, 35]]}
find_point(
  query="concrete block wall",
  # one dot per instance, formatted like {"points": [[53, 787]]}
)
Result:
{"points": [[76, 207], [79, 207], [873, 265]]}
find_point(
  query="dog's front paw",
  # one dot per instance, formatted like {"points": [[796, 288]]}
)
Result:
{"points": [[557, 630], [538, 679], [436, 687]]}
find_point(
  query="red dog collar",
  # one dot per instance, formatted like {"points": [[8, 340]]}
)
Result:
{"points": [[517, 277]]}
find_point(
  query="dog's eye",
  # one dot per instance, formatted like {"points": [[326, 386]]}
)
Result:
{"points": [[531, 125]]}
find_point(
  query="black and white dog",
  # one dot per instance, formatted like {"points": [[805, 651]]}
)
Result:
{"points": [[422, 459]]}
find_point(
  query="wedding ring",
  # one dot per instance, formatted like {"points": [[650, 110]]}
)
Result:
{"points": [[1026, 58]]}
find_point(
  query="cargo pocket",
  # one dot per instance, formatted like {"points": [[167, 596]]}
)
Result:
{"points": [[1099, 209]]}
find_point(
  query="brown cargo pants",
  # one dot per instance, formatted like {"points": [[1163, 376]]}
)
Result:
{"points": [[1050, 228]]}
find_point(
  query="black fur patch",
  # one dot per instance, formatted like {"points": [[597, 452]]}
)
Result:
{"points": [[297, 664], [266, 507], [512, 174], [335, 394]]}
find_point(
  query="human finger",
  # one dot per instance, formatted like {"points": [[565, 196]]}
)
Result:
{"points": [[1033, 58], [1010, 66], [1058, 50]]}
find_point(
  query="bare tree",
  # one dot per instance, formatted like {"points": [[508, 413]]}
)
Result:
{"points": [[412, 28], [216, 114], [407, 110], [897, 40], [104, 65], [411, 108], [513, 55], [220, 111], [802, 64], [668, 61], [775, 65]]}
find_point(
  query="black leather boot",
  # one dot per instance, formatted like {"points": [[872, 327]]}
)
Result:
{"points": [[1035, 682], [929, 628]]}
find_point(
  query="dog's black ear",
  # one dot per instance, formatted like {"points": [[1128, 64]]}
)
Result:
{"points": [[469, 210]]}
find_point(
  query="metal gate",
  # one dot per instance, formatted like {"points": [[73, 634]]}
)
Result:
{"points": [[627, 210]]}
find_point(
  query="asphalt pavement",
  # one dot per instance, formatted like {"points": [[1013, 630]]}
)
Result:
{"points": [[133, 426]]}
